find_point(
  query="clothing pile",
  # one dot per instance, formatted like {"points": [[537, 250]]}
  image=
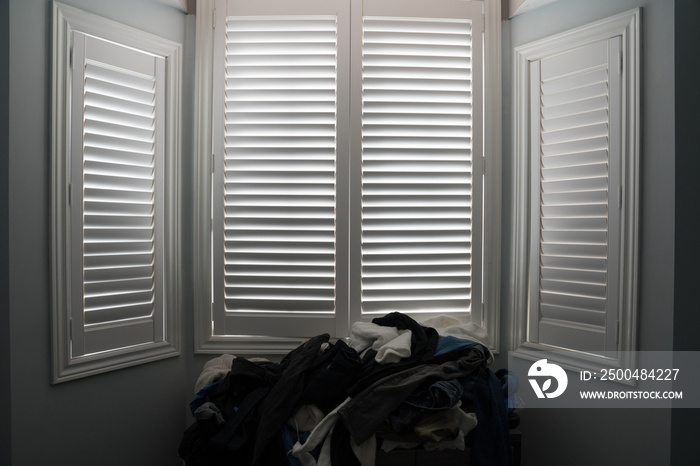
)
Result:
{"points": [[395, 383]]}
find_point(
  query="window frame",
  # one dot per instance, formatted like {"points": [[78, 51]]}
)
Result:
{"points": [[487, 315], [65, 367], [626, 25]]}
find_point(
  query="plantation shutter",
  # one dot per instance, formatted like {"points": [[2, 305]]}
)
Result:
{"points": [[576, 197], [116, 196], [275, 171], [421, 157]]}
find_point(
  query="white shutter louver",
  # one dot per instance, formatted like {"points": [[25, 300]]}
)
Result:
{"points": [[117, 168], [421, 165], [279, 168], [576, 219]]}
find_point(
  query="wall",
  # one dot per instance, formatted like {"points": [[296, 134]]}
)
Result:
{"points": [[587, 436], [127, 417], [136, 415], [5, 404], [684, 427]]}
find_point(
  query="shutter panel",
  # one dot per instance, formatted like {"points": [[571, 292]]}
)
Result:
{"points": [[576, 126], [117, 163], [275, 247], [421, 162]]}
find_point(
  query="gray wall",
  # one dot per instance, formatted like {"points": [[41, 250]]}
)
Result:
{"points": [[5, 447], [607, 437], [137, 415], [684, 427], [131, 416]]}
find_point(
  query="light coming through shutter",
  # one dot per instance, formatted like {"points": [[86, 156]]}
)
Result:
{"points": [[116, 184], [421, 165], [576, 211], [279, 173]]}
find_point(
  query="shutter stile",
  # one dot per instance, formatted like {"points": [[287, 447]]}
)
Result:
{"points": [[279, 171], [417, 152]]}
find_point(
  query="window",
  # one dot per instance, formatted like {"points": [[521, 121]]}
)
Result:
{"points": [[583, 114], [114, 270], [342, 168]]}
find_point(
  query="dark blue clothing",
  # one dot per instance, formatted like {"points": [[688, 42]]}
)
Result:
{"points": [[201, 397], [449, 344], [491, 434], [443, 394]]}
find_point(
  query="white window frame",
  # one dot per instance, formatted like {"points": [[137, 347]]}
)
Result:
{"points": [[486, 315], [67, 21], [627, 26]]}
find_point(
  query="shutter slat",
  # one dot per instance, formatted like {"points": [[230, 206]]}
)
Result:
{"points": [[95, 261], [284, 304], [119, 309], [278, 270], [573, 159], [579, 210], [575, 263], [569, 299], [425, 108], [574, 275], [573, 95], [434, 260], [435, 306], [116, 273], [97, 288], [117, 156], [566, 314], [575, 81], [115, 117], [575, 107]]}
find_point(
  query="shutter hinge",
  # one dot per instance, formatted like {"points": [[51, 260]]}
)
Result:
{"points": [[617, 333], [70, 58], [483, 21], [483, 164], [213, 19], [70, 329], [70, 194], [213, 163]]}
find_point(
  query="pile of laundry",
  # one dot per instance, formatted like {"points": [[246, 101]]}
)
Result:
{"points": [[395, 383]]}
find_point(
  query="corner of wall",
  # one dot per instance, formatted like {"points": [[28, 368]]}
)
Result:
{"points": [[5, 393], [687, 249]]}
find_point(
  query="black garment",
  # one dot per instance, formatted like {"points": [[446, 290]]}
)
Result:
{"points": [[205, 443], [280, 403], [424, 340], [235, 438], [341, 451], [330, 376], [256, 399]]}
